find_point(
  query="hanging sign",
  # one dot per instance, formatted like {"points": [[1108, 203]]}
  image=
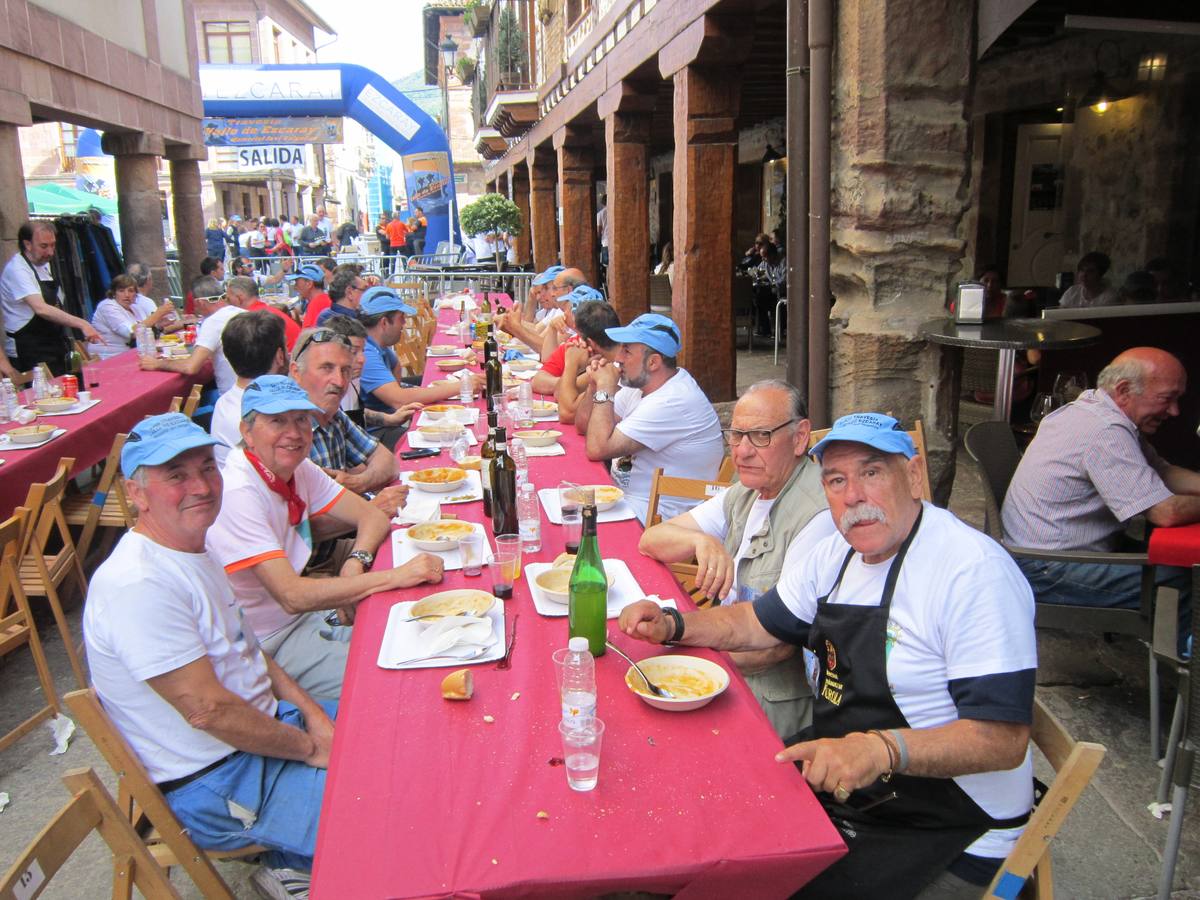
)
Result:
{"points": [[290, 156], [226, 132]]}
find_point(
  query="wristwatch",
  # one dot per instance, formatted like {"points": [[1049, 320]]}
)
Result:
{"points": [[601, 397], [366, 557]]}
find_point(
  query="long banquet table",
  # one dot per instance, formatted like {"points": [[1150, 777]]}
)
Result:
{"points": [[425, 798], [127, 395]]}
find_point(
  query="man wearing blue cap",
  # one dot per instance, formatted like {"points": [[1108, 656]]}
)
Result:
{"points": [[276, 505], [238, 749], [551, 305], [659, 419], [309, 282], [384, 397], [918, 638]]}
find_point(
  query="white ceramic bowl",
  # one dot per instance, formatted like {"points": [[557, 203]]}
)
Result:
{"points": [[30, 434], [607, 495], [539, 437], [448, 479], [436, 411], [442, 432], [452, 364], [555, 583], [426, 535], [544, 409], [456, 602], [523, 365], [699, 679], [55, 404]]}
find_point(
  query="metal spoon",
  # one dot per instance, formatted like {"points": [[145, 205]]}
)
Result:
{"points": [[654, 688]]}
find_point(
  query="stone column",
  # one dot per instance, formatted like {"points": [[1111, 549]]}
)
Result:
{"points": [[626, 110], [519, 179], [139, 205], [187, 209], [577, 230], [14, 210], [543, 226]]}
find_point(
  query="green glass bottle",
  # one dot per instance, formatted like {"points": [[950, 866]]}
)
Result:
{"points": [[587, 603], [494, 368], [487, 452], [504, 488]]}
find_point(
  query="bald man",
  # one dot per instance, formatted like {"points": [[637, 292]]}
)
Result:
{"points": [[1090, 470]]}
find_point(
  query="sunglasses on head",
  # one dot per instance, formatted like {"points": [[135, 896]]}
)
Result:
{"points": [[323, 336]]}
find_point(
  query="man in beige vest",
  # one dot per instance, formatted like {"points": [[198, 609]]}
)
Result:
{"points": [[743, 539]]}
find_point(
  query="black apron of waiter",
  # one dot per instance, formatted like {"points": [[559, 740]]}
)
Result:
{"points": [[40, 340], [902, 844]]}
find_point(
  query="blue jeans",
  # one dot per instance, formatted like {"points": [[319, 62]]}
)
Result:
{"points": [[257, 800], [1106, 586]]}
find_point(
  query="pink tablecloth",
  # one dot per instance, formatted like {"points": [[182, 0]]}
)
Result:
{"points": [[426, 799], [1175, 546], [127, 395]]}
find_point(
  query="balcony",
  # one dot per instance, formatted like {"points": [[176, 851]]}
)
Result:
{"points": [[506, 96]]}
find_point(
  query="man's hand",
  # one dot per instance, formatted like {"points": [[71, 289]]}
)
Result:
{"points": [[479, 381], [425, 568], [7, 370], [149, 363], [714, 567], [320, 728], [401, 414], [90, 334], [851, 762], [576, 358], [607, 377], [645, 621], [391, 498]]}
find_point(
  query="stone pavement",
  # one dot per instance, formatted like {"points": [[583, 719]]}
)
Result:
{"points": [[1110, 847]]}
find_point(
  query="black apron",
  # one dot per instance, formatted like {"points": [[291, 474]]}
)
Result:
{"points": [[898, 844], [40, 340]]}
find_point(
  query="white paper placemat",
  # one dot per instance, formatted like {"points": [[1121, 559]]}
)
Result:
{"points": [[403, 550], [416, 440], [623, 590], [460, 352], [522, 376], [470, 416], [9, 445], [468, 492], [401, 641], [555, 449], [619, 512], [73, 411]]}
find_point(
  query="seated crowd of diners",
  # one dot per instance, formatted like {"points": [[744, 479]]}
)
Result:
{"points": [[900, 675]]}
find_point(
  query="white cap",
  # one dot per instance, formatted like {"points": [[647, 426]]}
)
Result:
{"points": [[578, 644]]}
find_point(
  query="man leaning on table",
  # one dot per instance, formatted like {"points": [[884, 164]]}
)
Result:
{"points": [[918, 639], [275, 505], [236, 746], [766, 523], [216, 310], [658, 419]]}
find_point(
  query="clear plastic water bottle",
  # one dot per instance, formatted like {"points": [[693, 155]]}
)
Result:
{"points": [[41, 389], [8, 401], [466, 391], [578, 682], [145, 342], [529, 518], [516, 449], [461, 448]]}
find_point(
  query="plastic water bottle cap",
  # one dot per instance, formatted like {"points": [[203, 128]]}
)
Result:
{"points": [[577, 644]]}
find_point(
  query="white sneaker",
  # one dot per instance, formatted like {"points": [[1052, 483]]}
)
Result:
{"points": [[281, 884]]}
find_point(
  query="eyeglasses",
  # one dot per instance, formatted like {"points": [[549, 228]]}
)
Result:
{"points": [[759, 438], [356, 287], [322, 336], [216, 298]]}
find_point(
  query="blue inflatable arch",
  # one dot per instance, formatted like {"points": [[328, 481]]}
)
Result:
{"points": [[337, 89]]}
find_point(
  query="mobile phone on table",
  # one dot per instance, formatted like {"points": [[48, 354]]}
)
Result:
{"points": [[420, 453]]}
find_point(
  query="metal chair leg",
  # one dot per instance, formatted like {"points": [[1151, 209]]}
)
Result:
{"points": [[1183, 781], [1172, 755], [1155, 710]]}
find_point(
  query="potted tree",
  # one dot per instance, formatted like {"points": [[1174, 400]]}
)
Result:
{"points": [[511, 54], [466, 69], [495, 216]]}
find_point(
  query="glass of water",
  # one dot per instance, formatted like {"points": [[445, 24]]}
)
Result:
{"points": [[581, 740]]}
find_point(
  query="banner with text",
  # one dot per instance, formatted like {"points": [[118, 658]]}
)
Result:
{"points": [[223, 132], [278, 157]]}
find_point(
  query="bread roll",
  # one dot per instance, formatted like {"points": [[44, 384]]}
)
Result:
{"points": [[564, 559], [458, 685]]}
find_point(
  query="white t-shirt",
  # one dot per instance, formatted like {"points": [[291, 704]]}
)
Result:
{"points": [[150, 611], [680, 432], [16, 283], [352, 399], [961, 609], [226, 423], [253, 527], [208, 336], [710, 518], [115, 324]]}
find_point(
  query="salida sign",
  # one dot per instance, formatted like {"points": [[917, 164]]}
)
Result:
{"points": [[280, 156]]}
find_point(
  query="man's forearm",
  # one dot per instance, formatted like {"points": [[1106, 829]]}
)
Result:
{"points": [[56, 315], [600, 426], [285, 688], [1181, 480], [380, 470], [669, 543], [251, 730], [965, 747], [733, 627]]}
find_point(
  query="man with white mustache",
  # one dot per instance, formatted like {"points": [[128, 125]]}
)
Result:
{"points": [[918, 637]]}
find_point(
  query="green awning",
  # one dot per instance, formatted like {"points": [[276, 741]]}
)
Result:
{"points": [[55, 200]]}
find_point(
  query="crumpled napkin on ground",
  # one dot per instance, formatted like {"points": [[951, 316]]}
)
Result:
{"points": [[63, 730]]}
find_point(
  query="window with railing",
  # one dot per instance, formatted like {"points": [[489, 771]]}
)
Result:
{"points": [[68, 136], [508, 45], [227, 42]]}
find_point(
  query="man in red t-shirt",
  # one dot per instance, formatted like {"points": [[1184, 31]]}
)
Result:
{"points": [[592, 317], [308, 281], [243, 292]]}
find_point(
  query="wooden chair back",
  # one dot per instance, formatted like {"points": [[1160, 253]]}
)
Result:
{"points": [[918, 438], [42, 570], [25, 379], [17, 626], [88, 356], [141, 802], [687, 489], [106, 507], [91, 809], [176, 405], [193, 401], [1074, 764]]}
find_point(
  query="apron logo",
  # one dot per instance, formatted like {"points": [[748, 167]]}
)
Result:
{"points": [[831, 686]]}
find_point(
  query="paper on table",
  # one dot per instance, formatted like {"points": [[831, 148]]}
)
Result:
{"points": [[619, 512], [623, 590], [523, 376], [419, 507], [468, 416], [555, 449], [454, 301], [10, 446], [403, 549], [468, 492], [411, 645], [417, 440], [73, 411]]}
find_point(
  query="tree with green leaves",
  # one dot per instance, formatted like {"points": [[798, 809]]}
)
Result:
{"points": [[495, 216]]}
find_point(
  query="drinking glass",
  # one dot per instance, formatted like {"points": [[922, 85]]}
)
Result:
{"points": [[1043, 405], [505, 566], [572, 515], [471, 549], [581, 751], [1068, 385]]}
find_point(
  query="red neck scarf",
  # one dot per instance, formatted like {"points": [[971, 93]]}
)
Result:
{"points": [[286, 490]]}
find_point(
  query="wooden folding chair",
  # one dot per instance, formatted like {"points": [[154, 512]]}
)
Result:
{"points": [[143, 805], [918, 437], [17, 627], [88, 356], [106, 507], [1027, 871], [42, 571], [91, 809], [25, 379], [686, 489], [193, 401], [176, 405]]}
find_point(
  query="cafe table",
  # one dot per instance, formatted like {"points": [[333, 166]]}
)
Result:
{"points": [[433, 798], [126, 394]]}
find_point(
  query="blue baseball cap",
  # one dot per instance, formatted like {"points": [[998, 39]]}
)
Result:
{"points": [[549, 275], [655, 331], [272, 394], [159, 439], [873, 429], [581, 293], [312, 273], [380, 299]]}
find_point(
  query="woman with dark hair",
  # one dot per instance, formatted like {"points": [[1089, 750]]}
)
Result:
{"points": [[118, 317], [1090, 287]]}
